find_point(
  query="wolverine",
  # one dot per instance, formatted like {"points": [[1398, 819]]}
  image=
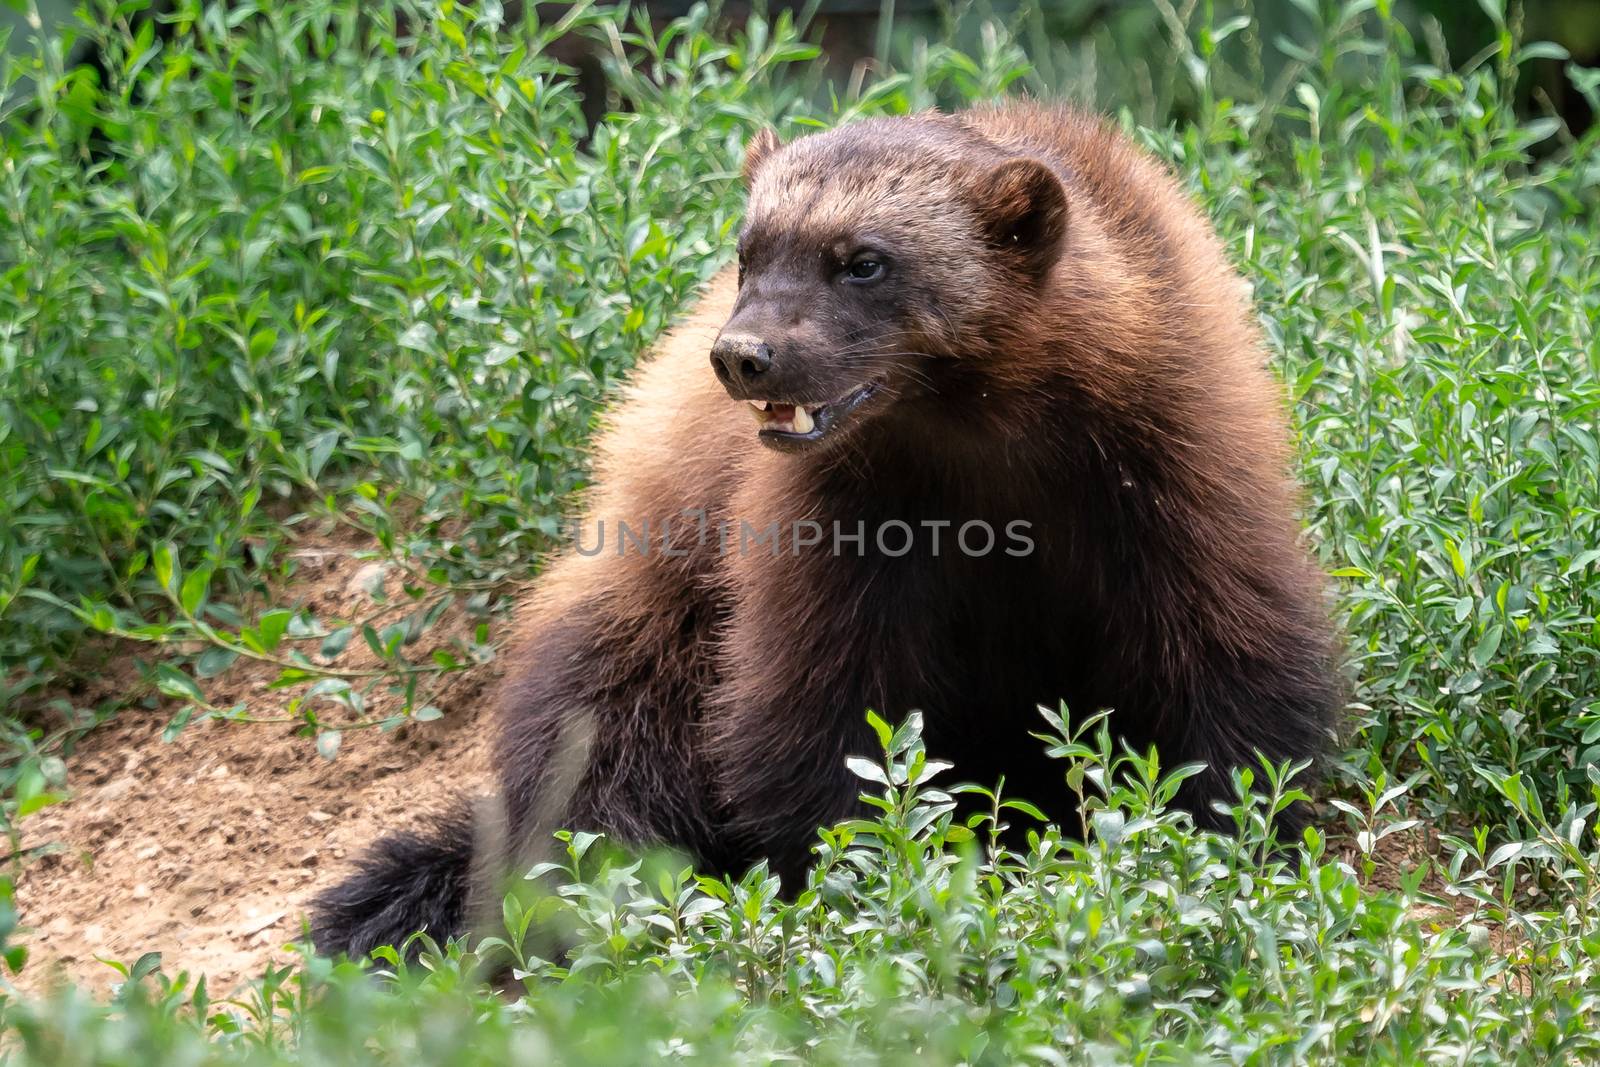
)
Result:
{"points": [[1009, 318]]}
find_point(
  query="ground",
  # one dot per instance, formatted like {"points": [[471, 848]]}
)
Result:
{"points": [[209, 848]]}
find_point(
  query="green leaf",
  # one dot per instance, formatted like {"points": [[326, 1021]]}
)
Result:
{"points": [[175, 725], [145, 965], [1024, 807], [419, 337], [884, 731], [193, 594], [1483, 653], [162, 560], [174, 683], [335, 643], [271, 627], [34, 798], [214, 660], [371, 158], [864, 768], [262, 342]]}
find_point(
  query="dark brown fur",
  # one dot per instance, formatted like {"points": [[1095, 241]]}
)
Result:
{"points": [[1071, 348]]}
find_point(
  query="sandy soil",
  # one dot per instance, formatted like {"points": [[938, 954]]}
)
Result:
{"points": [[208, 849]]}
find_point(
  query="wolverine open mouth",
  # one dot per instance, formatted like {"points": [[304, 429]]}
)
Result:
{"points": [[791, 427]]}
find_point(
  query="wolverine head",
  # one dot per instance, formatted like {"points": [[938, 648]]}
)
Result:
{"points": [[871, 257]]}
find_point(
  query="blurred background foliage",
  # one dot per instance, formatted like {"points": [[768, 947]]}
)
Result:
{"points": [[1112, 53]]}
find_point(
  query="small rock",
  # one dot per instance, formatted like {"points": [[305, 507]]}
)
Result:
{"points": [[255, 926], [368, 582], [140, 892], [320, 816]]}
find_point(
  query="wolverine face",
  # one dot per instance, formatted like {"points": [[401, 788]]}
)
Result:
{"points": [[870, 255], [817, 333]]}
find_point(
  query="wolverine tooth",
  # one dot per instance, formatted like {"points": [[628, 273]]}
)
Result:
{"points": [[759, 405], [802, 420]]}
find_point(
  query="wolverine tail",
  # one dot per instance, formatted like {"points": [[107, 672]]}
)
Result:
{"points": [[406, 882]]}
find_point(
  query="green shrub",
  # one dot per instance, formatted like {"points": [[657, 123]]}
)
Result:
{"points": [[307, 253], [924, 940]]}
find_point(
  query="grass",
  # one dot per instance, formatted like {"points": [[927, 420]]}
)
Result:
{"points": [[316, 260]]}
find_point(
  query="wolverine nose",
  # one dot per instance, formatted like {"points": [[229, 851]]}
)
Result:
{"points": [[740, 359]]}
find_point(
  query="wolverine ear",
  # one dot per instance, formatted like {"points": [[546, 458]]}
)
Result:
{"points": [[1023, 207], [762, 145]]}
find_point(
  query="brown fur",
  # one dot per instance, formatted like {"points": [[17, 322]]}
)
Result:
{"points": [[1070, 347]]}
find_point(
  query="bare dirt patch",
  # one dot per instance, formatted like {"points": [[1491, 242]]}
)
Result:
{"points": [[208, 849]]}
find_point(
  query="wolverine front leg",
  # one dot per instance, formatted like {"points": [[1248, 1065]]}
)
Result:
{"points": [[795, 681], [781, 785], [1282, 698], [601, 729]]}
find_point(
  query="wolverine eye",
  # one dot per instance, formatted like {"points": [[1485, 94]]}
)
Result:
{"points": [[863, 270]]}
